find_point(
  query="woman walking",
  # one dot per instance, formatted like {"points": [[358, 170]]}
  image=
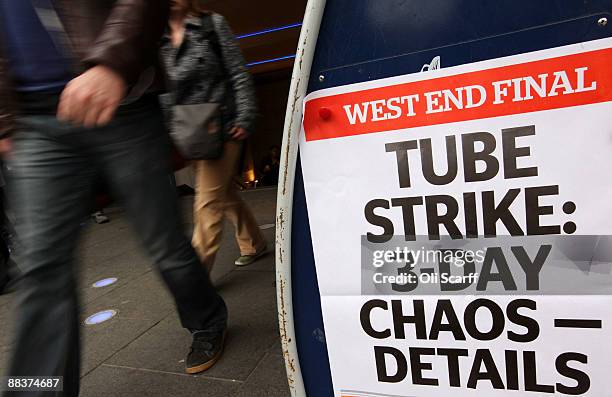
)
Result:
{"points": [[205, 65]]}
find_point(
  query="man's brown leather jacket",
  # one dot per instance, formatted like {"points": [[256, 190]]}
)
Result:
{"points": [[120, 34]]}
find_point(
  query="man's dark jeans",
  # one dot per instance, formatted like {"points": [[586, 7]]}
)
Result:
{"points": [[53, 168]]}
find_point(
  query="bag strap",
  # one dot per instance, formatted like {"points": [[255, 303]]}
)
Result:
{"points": [[208, 25]]}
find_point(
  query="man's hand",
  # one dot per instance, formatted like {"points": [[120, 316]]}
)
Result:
{"points": [[6, 147], [92, 98], [239, 133]]}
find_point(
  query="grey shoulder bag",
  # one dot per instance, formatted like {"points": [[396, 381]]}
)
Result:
{"points": [[197, 130]]}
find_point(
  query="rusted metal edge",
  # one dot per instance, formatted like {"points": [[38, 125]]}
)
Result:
{"points": [[293, 125]]}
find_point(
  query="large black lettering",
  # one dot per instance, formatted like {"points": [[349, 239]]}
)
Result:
{"points": [[401, 154], [365, 318], [377, 220], [452, 358], [512, 152], [495, 255], [471, 156], [381, 364], [531, 375], [498, 319], [444, 309], [512, 376], [435, 219], [400, 320], [492, 213], [469, 212], [583, 382], [407, 204], [531, 268], [530, 324], [417, 366], [427, 161], [534, 210], [489, 373]]}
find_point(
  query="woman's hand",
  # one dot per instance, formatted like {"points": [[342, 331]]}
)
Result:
{"points": [[239, 133]]}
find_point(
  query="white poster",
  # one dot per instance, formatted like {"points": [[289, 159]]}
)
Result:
{"points": [[461, 222]]}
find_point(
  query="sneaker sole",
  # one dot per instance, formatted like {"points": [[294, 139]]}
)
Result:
{"points": [[209, 363]]}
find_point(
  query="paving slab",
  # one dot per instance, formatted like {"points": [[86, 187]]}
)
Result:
{"points": [[102, 341], [99, 342], [125, 268], [110, 381], [94, 234], [6, 324], [267, 380], [95, 254], [263, 203], [144, 298], [4, 356], [252, 331]]}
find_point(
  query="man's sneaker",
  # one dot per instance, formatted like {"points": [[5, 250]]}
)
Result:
{"points": [[206, 349], [100, 217], [245, 260]]}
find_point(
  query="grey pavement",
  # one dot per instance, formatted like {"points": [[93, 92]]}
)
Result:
{"points": [[140, 351]]}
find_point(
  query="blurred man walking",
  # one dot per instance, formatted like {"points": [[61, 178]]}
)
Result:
{"points": [[82, 77]]}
